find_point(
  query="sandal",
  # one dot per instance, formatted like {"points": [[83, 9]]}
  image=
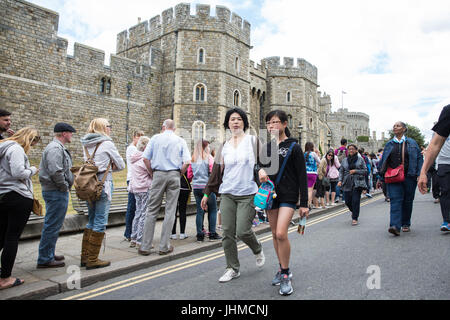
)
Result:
{"points": [[354, 222], [16, 283], [406, 229]]}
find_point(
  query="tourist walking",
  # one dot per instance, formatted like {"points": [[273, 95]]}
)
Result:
{"points": [[352, 180], [166, 157], [312, 162], [16, 197], [233, 177], [56, 180], [131, 205], [440, 144], [98, 144], [332, 173], [200, 170], [140, 184], [289, 185], [401, 151], [341, 153]]}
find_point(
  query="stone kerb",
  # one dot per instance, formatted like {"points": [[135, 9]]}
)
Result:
{"points": [[304, 69], [180, 18]]}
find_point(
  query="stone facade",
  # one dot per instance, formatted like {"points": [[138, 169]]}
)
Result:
{"points": [[168, 61]]}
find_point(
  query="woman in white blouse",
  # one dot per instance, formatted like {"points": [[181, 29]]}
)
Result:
{"points": [[233, 177]]}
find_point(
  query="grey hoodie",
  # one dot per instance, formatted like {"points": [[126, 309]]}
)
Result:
{"points": [[15, 170], [106, 152]]}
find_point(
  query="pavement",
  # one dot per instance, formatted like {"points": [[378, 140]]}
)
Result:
{"points": [[42, 283]]}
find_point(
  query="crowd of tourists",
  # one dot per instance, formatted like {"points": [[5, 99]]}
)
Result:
{"points": [[162, 167]]}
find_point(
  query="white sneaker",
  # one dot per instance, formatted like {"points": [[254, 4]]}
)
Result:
{"points": [[173, 237], [183, 236], [229, 274], [260, 259]]}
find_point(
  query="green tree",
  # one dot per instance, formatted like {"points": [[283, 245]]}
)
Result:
{"points": [[413, 133]]}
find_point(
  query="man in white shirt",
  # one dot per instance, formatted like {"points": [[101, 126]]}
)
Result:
{"points": [[131, 206], [166, 157]]}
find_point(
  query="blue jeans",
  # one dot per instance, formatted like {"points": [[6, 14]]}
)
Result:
{"points": [[402, 197], [56, 203], [212, 212], [339, 193], [131, 210], [99, 211]]}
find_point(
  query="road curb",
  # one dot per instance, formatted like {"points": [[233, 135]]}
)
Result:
{"points": [[45, 288]]}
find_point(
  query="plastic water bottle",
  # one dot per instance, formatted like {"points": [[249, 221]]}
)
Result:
{"points": [[301, 226]]}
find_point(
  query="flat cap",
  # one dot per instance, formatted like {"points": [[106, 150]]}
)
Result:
{"points": [[63, 127]]}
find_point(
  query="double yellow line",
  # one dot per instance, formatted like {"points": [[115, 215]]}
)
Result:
{"points": [[188, 264]]}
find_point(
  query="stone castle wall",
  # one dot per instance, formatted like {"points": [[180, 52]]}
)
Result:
{"points": [[42, 85]]}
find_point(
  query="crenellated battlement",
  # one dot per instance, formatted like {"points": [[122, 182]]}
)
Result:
{"points": [[180, 18], [259, 69], [302, 69]]}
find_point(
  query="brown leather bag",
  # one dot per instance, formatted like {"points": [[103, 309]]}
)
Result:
{"points": [[86, 183]]}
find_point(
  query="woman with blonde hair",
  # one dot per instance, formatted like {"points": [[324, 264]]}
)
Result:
{"points": [[98, 144], [199, 170], [16, 197]]}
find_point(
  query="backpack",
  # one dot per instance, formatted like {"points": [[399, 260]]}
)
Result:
{"points": [[86, 183], [264, 197], [341, 155]]}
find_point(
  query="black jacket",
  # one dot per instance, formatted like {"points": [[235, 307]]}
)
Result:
{"points": [[294, 181]]}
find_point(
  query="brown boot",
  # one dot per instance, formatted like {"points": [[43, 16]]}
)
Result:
{"points": [[95, 243], [84, 247]]}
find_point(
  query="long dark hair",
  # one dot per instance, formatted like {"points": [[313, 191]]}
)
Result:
{"points": [[309, 146], [331, 151], [283, 118]]}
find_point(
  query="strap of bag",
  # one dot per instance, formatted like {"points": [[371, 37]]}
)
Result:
{"points": [[403, 153], [280, 173]]}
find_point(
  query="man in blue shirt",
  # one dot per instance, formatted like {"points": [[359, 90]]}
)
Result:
{"points": [[166, 157]]}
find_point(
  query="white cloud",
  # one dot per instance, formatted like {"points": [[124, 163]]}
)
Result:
{"points": [[391, 57]]}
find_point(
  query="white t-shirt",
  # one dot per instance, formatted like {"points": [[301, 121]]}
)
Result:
{"points": [[239, 164], [130, 151]]}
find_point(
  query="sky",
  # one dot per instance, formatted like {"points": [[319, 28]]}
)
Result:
{"points": [[392, 58]]}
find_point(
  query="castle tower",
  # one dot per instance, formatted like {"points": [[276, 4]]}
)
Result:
{"points": [[294, 90], [205, 64]]}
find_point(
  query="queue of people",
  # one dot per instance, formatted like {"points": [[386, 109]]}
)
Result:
{"points": [[163, 166]]}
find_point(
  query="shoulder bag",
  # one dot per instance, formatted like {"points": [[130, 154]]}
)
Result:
{"points": [[396, 175]]}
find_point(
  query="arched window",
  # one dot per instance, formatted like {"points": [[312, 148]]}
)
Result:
{"points": [[288, 96], [200, 92], [236, 65], [236, 98], [290, 121], [108, 86], [198, 130], [201, 56], [102, 85]]}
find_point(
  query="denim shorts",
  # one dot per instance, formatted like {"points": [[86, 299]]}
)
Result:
{"points": [[277, 205]]}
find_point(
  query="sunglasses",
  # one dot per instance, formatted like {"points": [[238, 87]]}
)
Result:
{"points": [[36, 139]]}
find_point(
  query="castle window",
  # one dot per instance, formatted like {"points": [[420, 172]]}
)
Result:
{"points": [[288, 96], [105, 85], [236, 98], [198, 131], [289, 121], [201, 56], [200, 92], [108, 86], [236, 65]]}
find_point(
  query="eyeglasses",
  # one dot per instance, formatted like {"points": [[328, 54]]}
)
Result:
{"points": [[329, 155], [109, 126], [273, 122]]}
